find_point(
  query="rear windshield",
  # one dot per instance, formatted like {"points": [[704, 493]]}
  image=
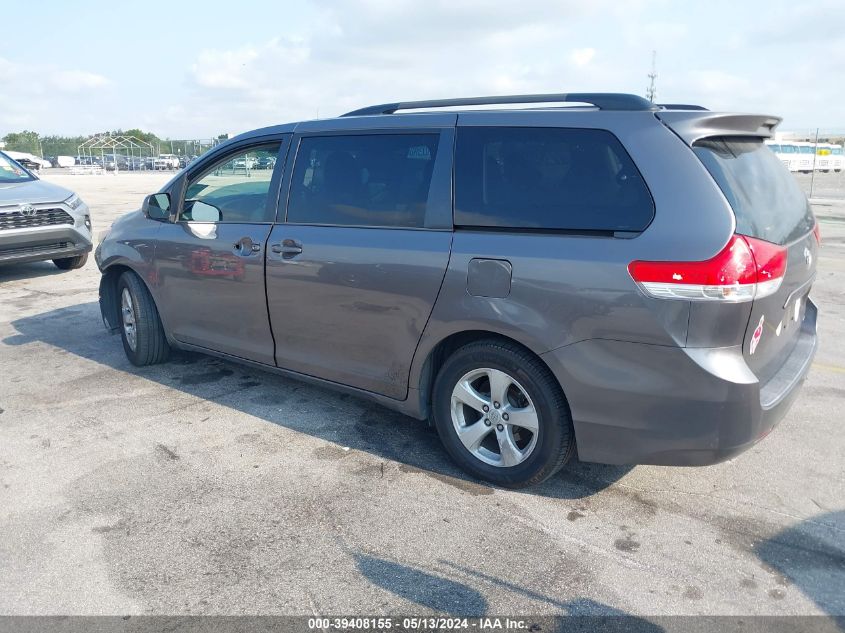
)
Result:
{"points": [[766, 199]]}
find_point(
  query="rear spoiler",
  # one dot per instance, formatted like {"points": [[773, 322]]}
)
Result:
{"points": [[694, 125]]}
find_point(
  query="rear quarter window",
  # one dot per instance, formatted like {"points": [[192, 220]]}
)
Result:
{"points": [[766, 199], [548, 179]]}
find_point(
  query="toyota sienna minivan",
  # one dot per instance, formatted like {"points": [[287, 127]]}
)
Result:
{"points": [[619, 279]]}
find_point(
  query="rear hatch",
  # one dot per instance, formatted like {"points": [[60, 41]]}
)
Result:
{"points": [[769, 206]]}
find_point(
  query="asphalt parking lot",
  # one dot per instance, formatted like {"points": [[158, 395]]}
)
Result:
{"points": [[200, 486]]}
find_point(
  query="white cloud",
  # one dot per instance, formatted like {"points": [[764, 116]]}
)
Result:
{"points": [[7, 69], [350, 53], [715, 83], [35, 78], [657, 35], [356, 55], [76, 80], [34, 91], [582, 56]]}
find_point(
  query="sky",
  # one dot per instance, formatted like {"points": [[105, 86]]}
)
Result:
{"points": [[198, 69]]}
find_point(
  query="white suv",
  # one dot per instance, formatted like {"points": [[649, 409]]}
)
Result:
{"points": [[40, 221], [167, 161]]}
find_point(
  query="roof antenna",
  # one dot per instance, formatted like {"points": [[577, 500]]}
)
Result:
{"points": [[651, 91]]}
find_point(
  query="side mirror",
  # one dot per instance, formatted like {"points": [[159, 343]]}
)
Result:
{"points": [[157, 207]]}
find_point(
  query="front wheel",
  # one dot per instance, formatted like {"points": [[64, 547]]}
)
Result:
{"points": [[501, 414], [140, 326], [71, 263]]}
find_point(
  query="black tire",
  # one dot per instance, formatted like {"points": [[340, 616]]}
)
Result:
{"points": [[71, 263], [555, 439], [151, 345]]}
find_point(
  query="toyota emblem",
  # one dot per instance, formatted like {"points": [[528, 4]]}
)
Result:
{"points": [[808, 257], [26, 210]]}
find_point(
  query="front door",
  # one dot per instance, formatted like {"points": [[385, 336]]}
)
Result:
{"points": [[210, 262], [353, 273]]}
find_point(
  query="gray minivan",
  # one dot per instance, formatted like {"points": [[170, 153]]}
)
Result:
{"points": [[621, 279]]}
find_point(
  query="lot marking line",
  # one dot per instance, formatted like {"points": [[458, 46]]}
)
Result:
{"points": [[836, 368]]}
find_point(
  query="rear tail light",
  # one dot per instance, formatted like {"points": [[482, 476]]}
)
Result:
{"points": [[818, 233], [747, 268]]}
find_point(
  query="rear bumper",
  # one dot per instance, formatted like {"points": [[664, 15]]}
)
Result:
{"points": [[43, 244], [633, 403]]}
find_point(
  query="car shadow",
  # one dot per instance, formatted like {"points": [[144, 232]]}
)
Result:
{"points": [[441, 591], [426, 589], [30, 270], [810, 555], [374, 429]]}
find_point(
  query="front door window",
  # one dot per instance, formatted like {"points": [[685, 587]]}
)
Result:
{"points": [[233, 190]]}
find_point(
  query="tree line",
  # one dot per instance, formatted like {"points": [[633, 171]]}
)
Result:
{"points": [[53, 145]]}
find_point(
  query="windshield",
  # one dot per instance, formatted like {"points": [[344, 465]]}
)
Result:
{"points": [[10, 171], [766, 200]]}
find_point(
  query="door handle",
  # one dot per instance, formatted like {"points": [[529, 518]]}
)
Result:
{"points": [[287, 249], [245, 246]]}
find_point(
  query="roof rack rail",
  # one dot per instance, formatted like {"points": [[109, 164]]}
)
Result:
{"points": [[680, 106], [601, 100]]}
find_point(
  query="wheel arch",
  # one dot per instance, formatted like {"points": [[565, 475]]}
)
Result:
{"points": [[108, 294], [446, 346]]}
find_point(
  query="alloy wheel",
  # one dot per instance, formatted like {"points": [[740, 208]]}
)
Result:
{"points": [[127, 310], [494, 417]]}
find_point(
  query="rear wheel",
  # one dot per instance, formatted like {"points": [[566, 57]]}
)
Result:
{"points": [[502, 415], [140, 326], [71, 263]]}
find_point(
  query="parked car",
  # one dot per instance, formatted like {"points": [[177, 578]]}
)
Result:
{"points": [[626, 281], [29, 164], [244, 163], [266, 162], [167, 161], [40, 221], [89, 160], [30, 161], [112, 162], [61, 161], [133, 163], [26, 160]]}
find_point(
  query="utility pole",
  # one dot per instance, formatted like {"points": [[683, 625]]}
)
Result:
{"points": [[651, 91]]}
